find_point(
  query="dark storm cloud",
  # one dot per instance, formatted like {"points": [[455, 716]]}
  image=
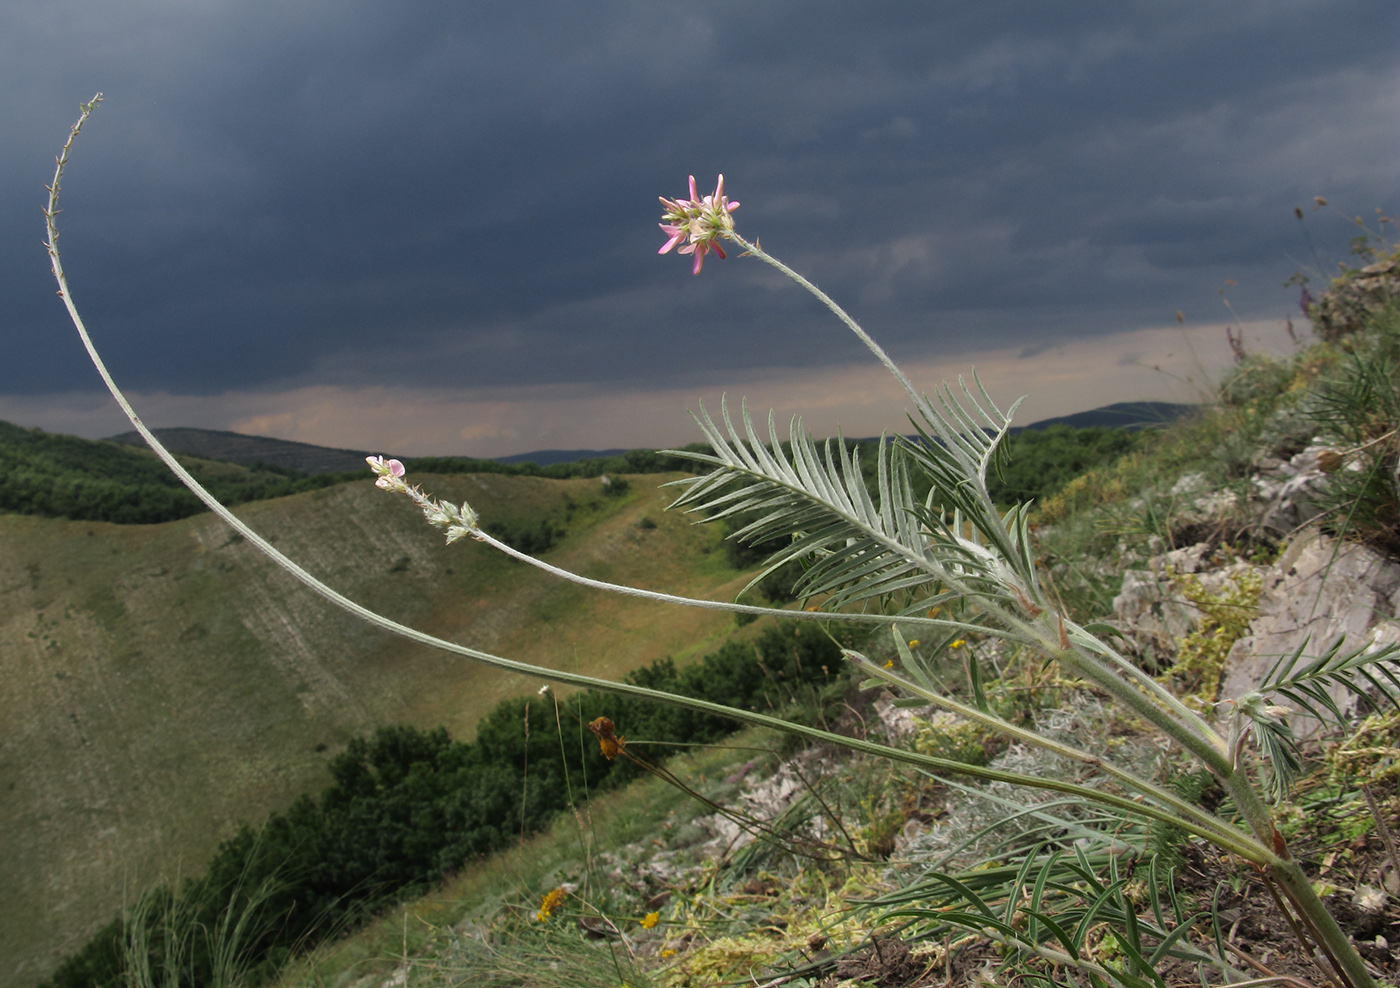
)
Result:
{"points": [[465, 194]]}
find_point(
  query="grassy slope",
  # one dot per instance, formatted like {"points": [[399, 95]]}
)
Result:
{"points": [[162, 683], [643, 814]]}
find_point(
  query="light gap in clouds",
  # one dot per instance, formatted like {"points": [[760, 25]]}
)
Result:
{"points": [[1154, 363]]}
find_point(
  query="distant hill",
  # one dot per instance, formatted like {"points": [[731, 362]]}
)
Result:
{"points": [[547, 457], [235, 447], [60, 476], [161, 684], [1130, 415]]}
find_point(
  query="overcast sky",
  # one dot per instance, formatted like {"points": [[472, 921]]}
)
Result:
{"points": [[431, 227]]}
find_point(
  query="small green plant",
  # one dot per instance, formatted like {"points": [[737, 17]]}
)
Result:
{"points": [[1371, 754], [955, 740], [1225, 618]]}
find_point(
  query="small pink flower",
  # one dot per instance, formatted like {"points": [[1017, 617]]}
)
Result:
{"points": [[702, 221], [390, 472]]}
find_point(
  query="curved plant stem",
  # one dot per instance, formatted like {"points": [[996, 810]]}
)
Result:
{"points": [[1240, 845], [722, 605], [1265, 849], [920, 401]]}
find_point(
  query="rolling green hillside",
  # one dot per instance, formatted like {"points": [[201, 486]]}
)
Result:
{"points": [[58, 476], [163, 683]]}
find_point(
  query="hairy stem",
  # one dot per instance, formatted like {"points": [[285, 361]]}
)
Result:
{"points": [[1295, 885], [1164, 797], [722, 605]]}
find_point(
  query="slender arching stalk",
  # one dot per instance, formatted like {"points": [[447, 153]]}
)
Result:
{"points": [[1000, 578], [1239, 844], [735, 608]]}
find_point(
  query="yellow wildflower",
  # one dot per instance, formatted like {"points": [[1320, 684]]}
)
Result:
{"points": [[914, 643], [889, 664], [650, 920], [958, 644], [608, 742], [552, 901]]}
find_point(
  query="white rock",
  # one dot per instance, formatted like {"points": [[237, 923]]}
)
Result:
{"points": [[1152, 612], [1320, 589]]}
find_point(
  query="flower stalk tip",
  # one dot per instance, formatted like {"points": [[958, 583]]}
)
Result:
{"points": [[389, 472], [456, 522], [699, 222]]}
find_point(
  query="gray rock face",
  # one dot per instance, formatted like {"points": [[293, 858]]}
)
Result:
{"points": [[1346, 307], [1319, 590], [1150, 610], [1286, 495]]}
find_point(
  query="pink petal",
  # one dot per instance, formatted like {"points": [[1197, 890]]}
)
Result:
{"points": [[677, 235], [694, 196]]}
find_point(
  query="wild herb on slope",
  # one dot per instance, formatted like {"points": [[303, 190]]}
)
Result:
{"points": [[900, 557], [1225, 618]]}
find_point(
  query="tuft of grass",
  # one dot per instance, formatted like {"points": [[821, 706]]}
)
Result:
{"points": [[1357, 408]]}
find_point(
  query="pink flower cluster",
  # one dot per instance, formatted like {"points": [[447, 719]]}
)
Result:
{"points": [[702, 221]]}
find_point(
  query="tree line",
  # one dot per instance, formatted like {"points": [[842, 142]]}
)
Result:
{"points": [[59, 476]]}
